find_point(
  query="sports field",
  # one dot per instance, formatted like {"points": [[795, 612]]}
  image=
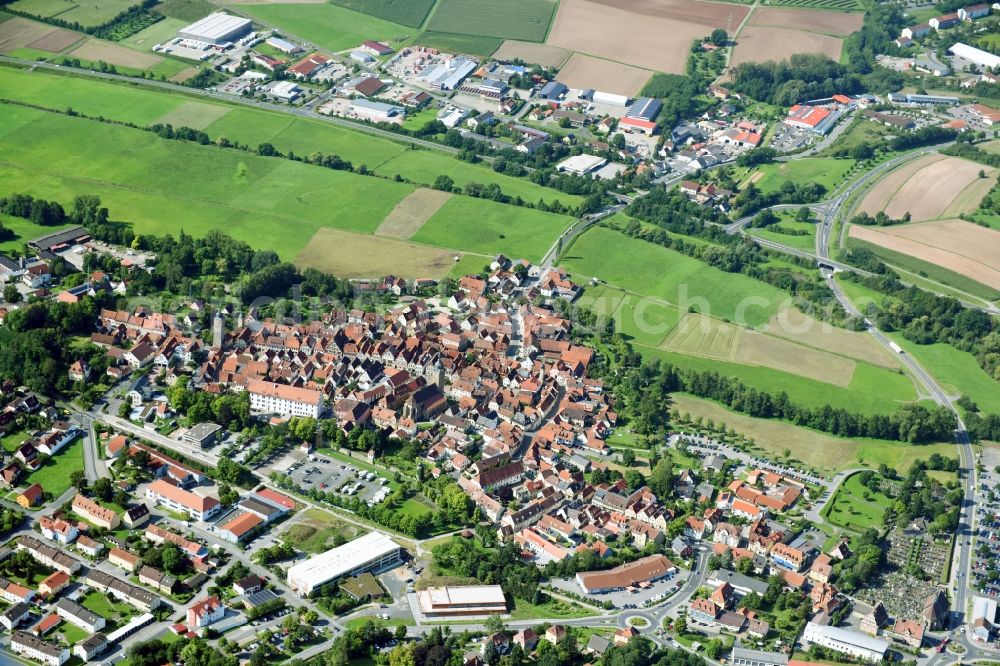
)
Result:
{"points": [[350, 255], [527, 20], [671, 277], [485, 227], [812, 448], [961, 247], [327, 25], [623, 30]]}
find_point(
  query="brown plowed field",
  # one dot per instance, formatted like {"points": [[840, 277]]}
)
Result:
{"points": [[882, 193], [539, 54], [114, 54], [838, 24], [17, 33], [56, 41], [962, 247], [929, 192], [760, 44], [653, 34], [586, 72]]}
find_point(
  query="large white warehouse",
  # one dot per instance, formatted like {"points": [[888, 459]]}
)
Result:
{"points": [[372, 552], [974, 55], [216, 28]]}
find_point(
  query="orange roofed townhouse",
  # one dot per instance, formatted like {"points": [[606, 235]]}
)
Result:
{"points": [[93, 512]]}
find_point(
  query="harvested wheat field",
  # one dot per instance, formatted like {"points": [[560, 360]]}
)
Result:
{"points": [[792, 324], [760, 44], [961, 247], [623, 30], [95, 50], [18, 33], [837, 24], [930, 191], [352, 255], [879, 196], [410, 214], [538, 54], [703, 336], [586, 72]]}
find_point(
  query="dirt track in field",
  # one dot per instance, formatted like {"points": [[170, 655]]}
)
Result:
{"points": [[961, 247], [652, 34], [760, 44], [586, 72], [837, 24], [406, 218]]}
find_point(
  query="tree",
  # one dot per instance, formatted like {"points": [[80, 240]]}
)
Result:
{"points": [[11, 294], [494, 624], [628, 457], [719, 37], [79, 480], [444, 183]]}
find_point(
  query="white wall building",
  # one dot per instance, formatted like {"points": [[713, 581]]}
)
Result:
{"points": [[974, 55], [35, 648], [374, 551], [845, 641], [285, 400], [216, 28]]}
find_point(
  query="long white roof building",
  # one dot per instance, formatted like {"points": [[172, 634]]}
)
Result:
{"points": [[372, 552]]}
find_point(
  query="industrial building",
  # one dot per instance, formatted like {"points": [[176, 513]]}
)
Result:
{"points": [[645, 108], [376, 112], [984, 614], [581, 165], [448, 74], [742, 656], [463, 600], [374, 551], [974, 55], [845, 641], [217, 28]]}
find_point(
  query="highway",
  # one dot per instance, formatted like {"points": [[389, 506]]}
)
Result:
{"points": [[962, 555]]}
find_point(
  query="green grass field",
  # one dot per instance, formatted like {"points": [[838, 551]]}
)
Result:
{"points": [[446, 41], [826, 171], [85, 12], [161, 185], [423, 166], [674, 278], [25, 230], [186, 10], [54, 475], [406, 12], [328, 25], [861, 131], [486, 227], [161, 31], [774, 233], [527, 20], [957, 371], [856, 507], [11, 441]]}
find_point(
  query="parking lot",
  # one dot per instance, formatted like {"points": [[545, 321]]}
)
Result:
{"points": [[640, 597], [986, 549], [331, 475], [787, 138]]}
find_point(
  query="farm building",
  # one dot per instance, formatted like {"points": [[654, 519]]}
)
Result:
{"points": [[974, 55], [216, 28], [374, 551]]}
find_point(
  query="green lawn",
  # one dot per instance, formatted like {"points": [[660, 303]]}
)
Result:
{"points": [[54, 475], [328, 25], [861, 131], [161, 186], [415, 121], [826, 171], [86, 12], [785, 232], [161, 31], [10, 442], [512, 19], [855, 506], [407, 12], [469, 264], [551, 609], [71, 633], [108, 608], [956, 370], [423, 166], [485, 227], [413, 507], [674, 278]]}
